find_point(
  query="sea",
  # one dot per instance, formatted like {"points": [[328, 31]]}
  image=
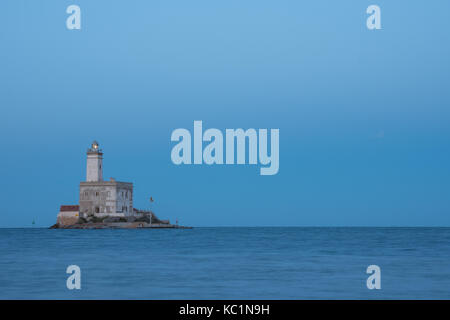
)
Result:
{"points": [[226, 263]]}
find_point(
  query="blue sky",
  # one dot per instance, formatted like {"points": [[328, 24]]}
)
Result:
{"points": [[363, 115]]}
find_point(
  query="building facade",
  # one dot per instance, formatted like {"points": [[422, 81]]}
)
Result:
{"points": [[103, 198], [68, 215]]}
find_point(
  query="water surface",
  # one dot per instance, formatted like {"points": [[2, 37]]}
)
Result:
{"points": [[226, 263]]}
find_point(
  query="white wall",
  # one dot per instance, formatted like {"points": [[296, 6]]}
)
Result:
{"points": [[94, 167]]}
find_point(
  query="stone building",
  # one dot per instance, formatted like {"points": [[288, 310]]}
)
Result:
{"points": [[103, 198], [68, 215]]}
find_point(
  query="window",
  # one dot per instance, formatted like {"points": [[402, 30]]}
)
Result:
{"points": [[97, 209], [96, 194]]}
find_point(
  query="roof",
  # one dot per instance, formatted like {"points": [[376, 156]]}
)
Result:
{"points": [[106, 183], [69, 208]]}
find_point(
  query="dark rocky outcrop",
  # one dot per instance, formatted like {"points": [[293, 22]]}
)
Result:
{"points": [[141, 219]]}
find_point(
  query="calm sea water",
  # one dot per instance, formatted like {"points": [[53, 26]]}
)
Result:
{"points": [[226, 263]]}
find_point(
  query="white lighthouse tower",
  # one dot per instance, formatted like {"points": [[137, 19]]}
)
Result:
{"points": [[94, 169]]}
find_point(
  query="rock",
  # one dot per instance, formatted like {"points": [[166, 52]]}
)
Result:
{"points": [[97, 219], [111, 219], [81, 221], [143, 219]]}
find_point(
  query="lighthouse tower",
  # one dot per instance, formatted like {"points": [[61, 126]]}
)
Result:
{"points": [[94, 169]]}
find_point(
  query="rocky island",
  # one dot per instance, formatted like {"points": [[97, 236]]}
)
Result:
{"points": [[106, 204]]}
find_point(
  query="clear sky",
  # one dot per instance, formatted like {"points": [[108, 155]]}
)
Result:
{"points": [[363, 115]]}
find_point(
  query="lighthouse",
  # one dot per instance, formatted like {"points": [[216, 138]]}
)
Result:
{"points": [[103, 198], [94, 170]]}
